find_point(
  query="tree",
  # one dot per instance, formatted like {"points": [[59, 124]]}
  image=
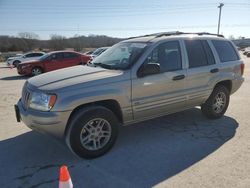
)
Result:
{"points": [[57, 42], [28, 35]]}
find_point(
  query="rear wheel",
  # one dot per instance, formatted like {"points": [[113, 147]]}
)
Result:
{"points": [[36, 71], [92, 132], [217, 103]]}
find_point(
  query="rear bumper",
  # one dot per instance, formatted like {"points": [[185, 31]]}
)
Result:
{"points": [[52, 123], [236, 83]]}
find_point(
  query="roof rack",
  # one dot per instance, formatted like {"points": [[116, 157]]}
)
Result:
{"points": [[176, 33], [148, 35], [183, 33]]}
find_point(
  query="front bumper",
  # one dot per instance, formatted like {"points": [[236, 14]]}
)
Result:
{"points": [[23, 71], [52, 123]]}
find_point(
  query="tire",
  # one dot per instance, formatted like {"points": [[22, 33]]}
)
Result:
{"points": [[36, 71], [83, 63], [83, 137], [16, 63], [217, 104]]}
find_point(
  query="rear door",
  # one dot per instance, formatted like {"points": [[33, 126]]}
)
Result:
{"points": [[162, 93], [54, 62], [202, 69], [70, 59]]}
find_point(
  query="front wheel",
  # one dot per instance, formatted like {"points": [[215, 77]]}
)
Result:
{"points": [[93, 132], [217, 103], [36, 71]]}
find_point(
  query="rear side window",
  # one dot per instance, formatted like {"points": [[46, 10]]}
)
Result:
{"points": [[69, 55], [34, 55], [209, 54], [56, 56], [225, 50], [199, 53]]}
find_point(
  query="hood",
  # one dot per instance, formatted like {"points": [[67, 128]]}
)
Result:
{"points": [[15, 57], [10, 58], [90, 76]]}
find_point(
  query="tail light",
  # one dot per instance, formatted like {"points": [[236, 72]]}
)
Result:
{"points": [[242, 67]]}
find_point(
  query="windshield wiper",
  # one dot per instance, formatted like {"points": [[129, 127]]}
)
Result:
{"points": [[103, 65]]}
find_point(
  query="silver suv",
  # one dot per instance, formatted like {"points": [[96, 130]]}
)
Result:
{"points": [[135, 80]]}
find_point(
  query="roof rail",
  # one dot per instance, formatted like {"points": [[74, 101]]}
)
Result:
{"points": [[148, 35], [183, 33], [176, 33]]}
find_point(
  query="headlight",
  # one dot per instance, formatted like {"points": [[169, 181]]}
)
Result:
{"points": [[42, 101]]}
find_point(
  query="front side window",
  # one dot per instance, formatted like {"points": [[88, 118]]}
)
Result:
{"points": [[167, 56], [29, 55], [37, 54], [34, 55], [225, 50], [120, 56]]}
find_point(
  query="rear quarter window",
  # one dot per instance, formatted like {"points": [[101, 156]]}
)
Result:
{"points": [[225, 50]]}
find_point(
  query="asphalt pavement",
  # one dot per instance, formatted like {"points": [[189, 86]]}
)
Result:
{"points": [[179, 150]]}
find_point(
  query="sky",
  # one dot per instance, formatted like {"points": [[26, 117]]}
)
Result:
{"points": [[122, 18]]}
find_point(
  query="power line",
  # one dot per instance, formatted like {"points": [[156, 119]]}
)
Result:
{"points": [[127, 28]]}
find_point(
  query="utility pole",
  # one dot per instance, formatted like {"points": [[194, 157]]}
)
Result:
{"points": [[220, 7]]}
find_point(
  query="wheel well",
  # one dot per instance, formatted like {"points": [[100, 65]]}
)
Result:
{"points": [[227, 84], [111, 104], [16, 61]]}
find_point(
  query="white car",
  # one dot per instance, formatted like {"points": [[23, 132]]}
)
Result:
{"points": [[98, 51], [14, 61]]}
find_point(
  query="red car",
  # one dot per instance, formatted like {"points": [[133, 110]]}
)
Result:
{"points": [[52, 61]]}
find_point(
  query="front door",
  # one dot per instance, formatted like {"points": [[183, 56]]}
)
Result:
{"points": [[164, 92], [54, 62]]}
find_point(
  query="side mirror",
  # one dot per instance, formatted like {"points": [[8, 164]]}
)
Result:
{"points": [[149, 69], [24, 56]]}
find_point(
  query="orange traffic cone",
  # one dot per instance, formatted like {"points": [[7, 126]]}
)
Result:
{"points": [[64, 179]]}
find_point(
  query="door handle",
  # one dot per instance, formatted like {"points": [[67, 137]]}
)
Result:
{"points": [[179, 77], [214, 70]]}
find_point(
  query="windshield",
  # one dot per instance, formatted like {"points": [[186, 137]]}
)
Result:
{"points": [[120, 56], [98, 51]]}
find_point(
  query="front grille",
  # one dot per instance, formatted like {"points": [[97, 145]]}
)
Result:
{"points": [[25, 97]]}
